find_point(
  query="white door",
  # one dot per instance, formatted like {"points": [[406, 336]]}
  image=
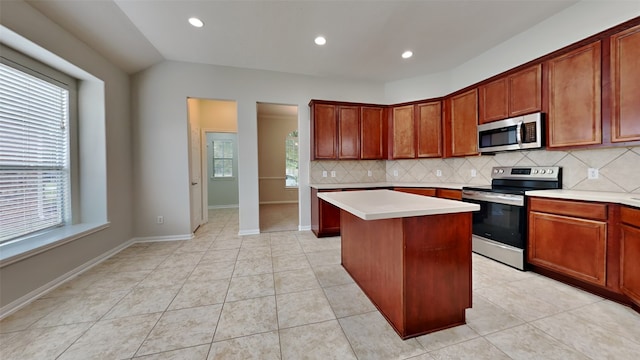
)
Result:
{"points": [[195, 174]]}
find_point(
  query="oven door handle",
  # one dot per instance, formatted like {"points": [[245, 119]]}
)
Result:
{"points": [[507, 199]]}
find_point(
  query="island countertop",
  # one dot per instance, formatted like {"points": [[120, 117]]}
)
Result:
{"points": [[388, 204]]}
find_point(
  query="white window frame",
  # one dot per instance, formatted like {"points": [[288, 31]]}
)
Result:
{"points": [[225, 159], [31, 67]]}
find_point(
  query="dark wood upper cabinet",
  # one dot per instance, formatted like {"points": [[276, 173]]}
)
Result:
{"points": [[460, 124], [429, 129], [525, 91], [625, 85], [403, 133], [493, 101], [348, 132], [372, 135], [574, 97], [516, 94], [323, 132]]}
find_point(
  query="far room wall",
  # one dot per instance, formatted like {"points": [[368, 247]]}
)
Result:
{"points": [[272, 133]]}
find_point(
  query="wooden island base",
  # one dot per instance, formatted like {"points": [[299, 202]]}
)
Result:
{"points": [[416, 270]]}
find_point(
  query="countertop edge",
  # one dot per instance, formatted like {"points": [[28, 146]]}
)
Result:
{"points": [[453, 186], [460, 207], [610, 197]]}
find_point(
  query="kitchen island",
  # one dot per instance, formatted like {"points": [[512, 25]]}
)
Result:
{"points": [[410, 254]]}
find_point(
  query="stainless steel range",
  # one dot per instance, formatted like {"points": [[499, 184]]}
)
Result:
{"points": [[500, 227]]}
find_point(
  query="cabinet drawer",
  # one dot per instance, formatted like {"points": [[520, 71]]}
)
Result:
{"points": [[595, 211], [418, 191], [451, 194], [630, 216]]}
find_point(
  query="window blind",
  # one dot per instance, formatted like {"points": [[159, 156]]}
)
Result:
{"points": [[34, 171]]}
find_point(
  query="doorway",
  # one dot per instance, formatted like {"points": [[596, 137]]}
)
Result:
{"points": [[213, 125], [278, 167]]}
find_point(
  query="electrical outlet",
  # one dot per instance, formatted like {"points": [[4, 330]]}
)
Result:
{"points": [[324, 173], [160, 219], [395, 172], [438, 173], [333, 173], [474, 173], [369, 173], [592, 173]]}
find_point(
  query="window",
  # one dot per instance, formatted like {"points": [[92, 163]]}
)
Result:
{"points": [[222, 158], [34, 152], [291, 160]]}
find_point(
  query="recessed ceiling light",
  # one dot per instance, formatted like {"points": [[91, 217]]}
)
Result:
{"points": [[407, 54], [320, 40], [196, 22]]}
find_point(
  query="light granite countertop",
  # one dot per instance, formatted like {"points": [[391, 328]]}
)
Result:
{"points": [[600, 196], [387, 204], [454, 186]]}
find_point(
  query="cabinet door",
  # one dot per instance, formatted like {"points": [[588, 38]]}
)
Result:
{"points": [[493, 101], [630, 262], [525, 91], [324, 132], [461, 125], [574, 98], [403, 133], [429, 129], [371, 133], [572, 246], [625, 85], [348, 132]]}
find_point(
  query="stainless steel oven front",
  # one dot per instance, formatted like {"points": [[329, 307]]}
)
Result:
{"points": [[499, 228]]}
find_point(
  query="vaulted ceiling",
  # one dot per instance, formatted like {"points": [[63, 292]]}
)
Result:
{"points": [[364, 38]]}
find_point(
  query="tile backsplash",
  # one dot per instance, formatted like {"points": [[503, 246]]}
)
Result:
{"points": [[618, 168]]}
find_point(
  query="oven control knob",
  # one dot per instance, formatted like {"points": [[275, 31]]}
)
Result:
{"points": [[495, 171], [543, 171], [501, 171], [535, 171], [550, 171]]}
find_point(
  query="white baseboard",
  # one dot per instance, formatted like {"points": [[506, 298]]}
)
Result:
{"points": [[163, 238], [304, 228], [278, 202], [26, 299], [232, 206], [249, 232]]}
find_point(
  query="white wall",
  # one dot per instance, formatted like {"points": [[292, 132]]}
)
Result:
{"points": [[159, 111], [575, 23], [104, 117]]}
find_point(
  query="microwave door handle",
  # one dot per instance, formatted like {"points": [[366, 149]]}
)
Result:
{"points": [[519, 129]]}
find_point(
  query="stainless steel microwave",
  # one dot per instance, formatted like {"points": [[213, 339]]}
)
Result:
{"points": [[517, 133]]}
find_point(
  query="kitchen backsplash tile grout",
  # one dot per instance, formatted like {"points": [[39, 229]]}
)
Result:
{"points": [[619, 169]]}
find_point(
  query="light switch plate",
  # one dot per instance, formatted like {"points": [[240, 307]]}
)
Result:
{"points": [[324, 173], [395, 172], [369, 173], [438, 172], [474, 173], [592, 173], [333, 173]]}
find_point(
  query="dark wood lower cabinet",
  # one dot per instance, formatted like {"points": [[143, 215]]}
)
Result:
{"points": [[594, 246], [325, 218], [416, 270], [630, 254]]}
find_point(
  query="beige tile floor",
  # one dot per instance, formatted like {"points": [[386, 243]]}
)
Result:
{"points": [[278, 217], [284, 296]]}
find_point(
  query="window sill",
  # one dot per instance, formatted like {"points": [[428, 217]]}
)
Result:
{"points": [[15, 251]]}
